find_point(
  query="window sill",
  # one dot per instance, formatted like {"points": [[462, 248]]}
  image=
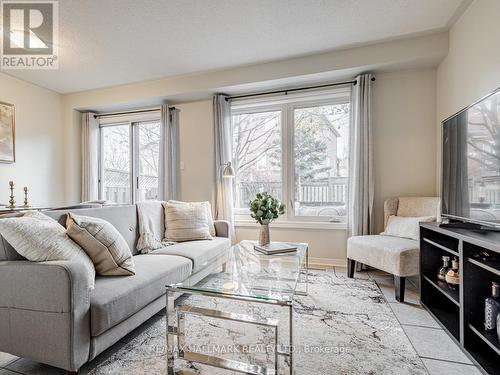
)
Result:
{"points": [[319, 225]]}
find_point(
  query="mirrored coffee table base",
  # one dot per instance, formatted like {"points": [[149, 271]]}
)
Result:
{"points": [[257, 278]]}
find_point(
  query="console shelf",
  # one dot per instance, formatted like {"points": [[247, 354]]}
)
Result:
{"points": [[443, 288], [461, 310], [490, 338], [486, 265], [452, 252]]}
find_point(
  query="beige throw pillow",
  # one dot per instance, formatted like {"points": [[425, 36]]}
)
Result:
{"points": [[103, 243], [405, 227], [40, 238], [208, 206], [186, 222]]}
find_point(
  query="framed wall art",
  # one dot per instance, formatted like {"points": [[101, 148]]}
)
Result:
{"points": [[7, 133]]}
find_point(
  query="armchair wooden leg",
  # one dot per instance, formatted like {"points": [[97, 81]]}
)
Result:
{"points": [[399, 285], [351, 266]]}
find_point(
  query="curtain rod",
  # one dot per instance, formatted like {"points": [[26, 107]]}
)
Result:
{"points": [[295, 89], [130, 112]]}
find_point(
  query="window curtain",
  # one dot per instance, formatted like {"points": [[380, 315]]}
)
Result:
{"points": [[361, 183], [223, 154], [90, 157], [168, 152]]}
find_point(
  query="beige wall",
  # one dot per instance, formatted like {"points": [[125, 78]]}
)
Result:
{"points": [[196, 151], [326, 246], [404, 118], [403, 114], [472, 67], [39, 144], [404, 109], [197, 176], [415, 52]]}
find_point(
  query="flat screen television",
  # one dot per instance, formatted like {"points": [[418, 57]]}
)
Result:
{"points": [[470, 188]]}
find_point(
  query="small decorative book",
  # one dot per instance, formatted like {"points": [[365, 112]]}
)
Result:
{"points": [[275, 248]]}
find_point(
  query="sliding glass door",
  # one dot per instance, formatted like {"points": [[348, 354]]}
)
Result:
{"points": [[116, 172], [129, 165], [148, 159]]}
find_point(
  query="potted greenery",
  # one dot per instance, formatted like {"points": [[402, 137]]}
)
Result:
{"points": [[265, 209]]}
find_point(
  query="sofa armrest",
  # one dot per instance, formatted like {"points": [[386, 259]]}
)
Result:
{"points": [[44, 312], [222, 228]]}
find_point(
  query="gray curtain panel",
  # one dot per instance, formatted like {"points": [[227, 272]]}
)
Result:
{"points": [[361, 182], [456, 178], [223, 154], [90, 157], [168, 152]]}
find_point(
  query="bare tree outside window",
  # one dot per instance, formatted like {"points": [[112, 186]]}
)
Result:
{"points": [[120, 153], [484, 156], [256, 155], [317, 157], [116, 178], [149, 158]]}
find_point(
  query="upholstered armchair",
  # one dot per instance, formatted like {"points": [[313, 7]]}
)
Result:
{"points": [[395, 255]]}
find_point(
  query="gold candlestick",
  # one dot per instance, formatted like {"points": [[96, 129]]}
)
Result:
{"points": [[26, 197], [12, 202]]}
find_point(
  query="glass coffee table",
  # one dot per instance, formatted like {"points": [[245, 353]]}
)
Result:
{"points": [[248, 275]]}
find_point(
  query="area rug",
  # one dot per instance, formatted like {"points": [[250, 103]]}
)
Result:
{"points": [[344, 326]]}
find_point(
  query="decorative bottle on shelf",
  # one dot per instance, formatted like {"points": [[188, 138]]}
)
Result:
{"points": [[452, 276], [498, 326], [492, 307], [444, 269]]}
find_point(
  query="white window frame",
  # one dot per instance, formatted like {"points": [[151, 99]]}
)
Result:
{"points": [[287, 104], [132, 121]]}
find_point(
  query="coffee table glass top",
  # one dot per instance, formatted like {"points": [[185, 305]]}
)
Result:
{"points": [[251, 274]]}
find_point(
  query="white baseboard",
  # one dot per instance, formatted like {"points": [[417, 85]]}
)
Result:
{"points": [[327, 262]]}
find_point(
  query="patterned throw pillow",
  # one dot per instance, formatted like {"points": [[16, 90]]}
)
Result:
{"points": [[208, 206], [103, 244], [40, 238], [186, 222]]}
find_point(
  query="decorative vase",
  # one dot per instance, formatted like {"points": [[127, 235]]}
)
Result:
{"points": [[492, 308], [264, 237]]}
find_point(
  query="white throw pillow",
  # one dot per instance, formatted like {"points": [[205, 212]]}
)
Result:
{"points": [[103, 243], [405, 227], [208, 206], [186, 222], [40, 238]]}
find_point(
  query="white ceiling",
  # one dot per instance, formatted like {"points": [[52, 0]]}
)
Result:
{"points": [[113, 42]]}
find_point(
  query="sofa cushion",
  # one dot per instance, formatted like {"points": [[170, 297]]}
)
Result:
{"points": [[117, 298], [40, 238], [399, 256], [201, 253], [103, 244]]}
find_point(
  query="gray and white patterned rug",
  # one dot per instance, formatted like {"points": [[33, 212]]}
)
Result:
{"points": [[344, 326]]}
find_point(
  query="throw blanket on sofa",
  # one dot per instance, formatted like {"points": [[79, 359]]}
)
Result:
{"points": [[151, 226]]}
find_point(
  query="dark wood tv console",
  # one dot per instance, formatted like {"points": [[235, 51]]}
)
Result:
{"points": [[461, 311]]}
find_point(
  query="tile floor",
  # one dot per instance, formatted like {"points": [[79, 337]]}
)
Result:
{"points": [[422, 330]]}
